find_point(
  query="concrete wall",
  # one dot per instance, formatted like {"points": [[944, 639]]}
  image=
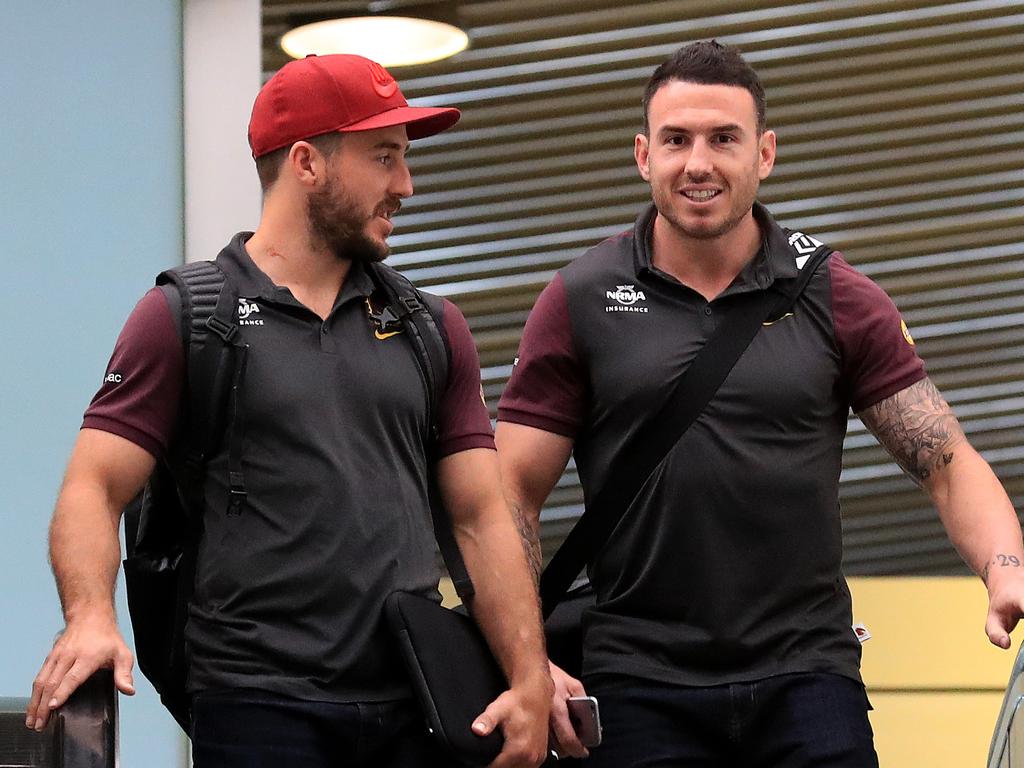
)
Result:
{"points": [[90, 211]]}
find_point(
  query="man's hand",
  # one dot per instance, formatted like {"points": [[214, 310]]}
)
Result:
{"points": [[104, 473], [85, 646], [1005, 579], [521, 713], [917, 426], [567, 743]]}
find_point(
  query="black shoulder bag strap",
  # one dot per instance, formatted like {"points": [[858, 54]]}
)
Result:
{"points": [[660, 432], [406, 306]]}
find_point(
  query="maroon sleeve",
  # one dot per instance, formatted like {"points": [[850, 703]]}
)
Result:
{"points": [[878, 354], [138, 399], [548, 388], [463, 420]]}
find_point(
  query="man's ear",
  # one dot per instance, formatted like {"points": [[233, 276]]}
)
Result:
{"points": [[766, 154], [306, 163], [641, 147]]}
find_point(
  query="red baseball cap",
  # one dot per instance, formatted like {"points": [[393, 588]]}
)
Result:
{"points": [[338, 92]]}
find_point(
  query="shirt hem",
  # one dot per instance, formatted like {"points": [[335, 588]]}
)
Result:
{"points": [[538, 421], [147, 442], [623, 673], [468, 442], [294, 688], [893, 387]]}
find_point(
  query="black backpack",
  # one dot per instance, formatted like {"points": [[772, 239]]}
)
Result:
{"points": [[163, 524]]}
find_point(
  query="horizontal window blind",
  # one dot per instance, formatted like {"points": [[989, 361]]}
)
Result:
{"points": [[901, 142]]}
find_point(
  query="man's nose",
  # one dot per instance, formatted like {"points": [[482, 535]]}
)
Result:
{"points": [[699, 164], [401, 181]]}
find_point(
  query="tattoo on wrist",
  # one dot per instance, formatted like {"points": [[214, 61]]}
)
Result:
{"points": [[1001, 561]]}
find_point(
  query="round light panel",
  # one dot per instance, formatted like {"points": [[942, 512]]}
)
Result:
{"points": [[391, 41]]}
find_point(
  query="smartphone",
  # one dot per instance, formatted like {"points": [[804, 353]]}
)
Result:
{"points": [[586, 719]]}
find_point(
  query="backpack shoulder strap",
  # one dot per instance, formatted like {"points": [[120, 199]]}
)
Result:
{"points": [[422, 319], [423, 322], [199, 285], [214, 363]]}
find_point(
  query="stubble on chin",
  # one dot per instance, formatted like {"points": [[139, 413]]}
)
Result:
{"points": [[693, 226], [335, 225]]}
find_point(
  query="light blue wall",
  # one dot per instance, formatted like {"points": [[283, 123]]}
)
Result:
{"points": [[90, 210]]}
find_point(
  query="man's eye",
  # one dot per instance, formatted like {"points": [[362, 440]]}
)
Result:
{"points": [[726, 139], [676, 141], [384, 160]]}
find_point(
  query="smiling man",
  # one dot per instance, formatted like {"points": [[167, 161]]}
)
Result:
{"points": [[722, 630], [314, 504]]}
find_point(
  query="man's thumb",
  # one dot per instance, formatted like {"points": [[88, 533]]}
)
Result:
{"points": [[482, 725], [996, 632], [123, 673]]}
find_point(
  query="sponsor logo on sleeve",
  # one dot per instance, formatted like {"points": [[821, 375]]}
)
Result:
{"points": [[113, 377], [906, 333], [626, 299]]}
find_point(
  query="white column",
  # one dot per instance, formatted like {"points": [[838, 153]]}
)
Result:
{"points": [[222, 74]]}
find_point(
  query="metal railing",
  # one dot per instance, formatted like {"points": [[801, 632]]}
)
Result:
{"points": [[1007, 748], [81, 734]]}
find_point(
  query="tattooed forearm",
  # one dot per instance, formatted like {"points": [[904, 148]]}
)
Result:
{"points": [[1000, 561], [531, 541], [917, 427]]}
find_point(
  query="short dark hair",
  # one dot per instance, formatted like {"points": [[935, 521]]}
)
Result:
{"points": [[709, 63], [268, 166]]}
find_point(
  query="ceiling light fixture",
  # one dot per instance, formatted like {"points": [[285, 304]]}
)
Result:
{"points": [[390, 40]]}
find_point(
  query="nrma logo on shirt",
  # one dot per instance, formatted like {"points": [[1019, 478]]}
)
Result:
{"points": [[626, 299], [246, 309]]}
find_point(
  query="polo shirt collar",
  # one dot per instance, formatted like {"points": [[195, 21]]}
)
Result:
{"points": [[252, 283], [773, 260]]}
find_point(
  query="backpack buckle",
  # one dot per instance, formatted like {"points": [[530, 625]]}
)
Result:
{"points": [[411, 303], [236, 501], [226, 331], [237, 495]]}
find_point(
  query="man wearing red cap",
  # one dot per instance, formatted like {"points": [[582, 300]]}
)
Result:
{"points": [[289, 661]]}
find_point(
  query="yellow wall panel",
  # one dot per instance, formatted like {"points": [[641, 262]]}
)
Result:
{"points": [[927, 632], [937, 730]]}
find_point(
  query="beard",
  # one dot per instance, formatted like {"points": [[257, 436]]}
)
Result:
{"points": [[336, 222], [742, 191]]}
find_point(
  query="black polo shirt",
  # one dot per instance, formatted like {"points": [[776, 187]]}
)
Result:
{"points": [[728, 565], [289, 594]]}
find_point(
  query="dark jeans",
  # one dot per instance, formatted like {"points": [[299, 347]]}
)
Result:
{"points": [[789, 721], [255, 729]]}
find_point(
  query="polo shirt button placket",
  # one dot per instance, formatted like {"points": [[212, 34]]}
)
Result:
{"points": [[707, 322]]}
